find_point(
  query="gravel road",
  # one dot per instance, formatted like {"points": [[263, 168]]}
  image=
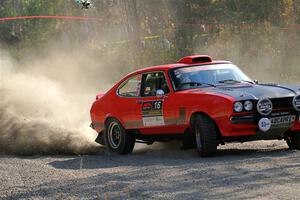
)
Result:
{"points": [[257, 170]]}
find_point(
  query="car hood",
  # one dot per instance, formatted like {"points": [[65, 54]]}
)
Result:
{"points": [[256, 91]]}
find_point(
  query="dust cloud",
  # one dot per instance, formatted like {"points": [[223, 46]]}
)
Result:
{"points": [[266, 53], [45, 102], [47, 89], [46, 94]]}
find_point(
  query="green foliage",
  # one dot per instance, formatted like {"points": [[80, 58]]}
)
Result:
{"points": [[156, 31], [34, 31]]}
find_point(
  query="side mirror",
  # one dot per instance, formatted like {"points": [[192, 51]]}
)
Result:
{"points": [[160, 93], [255, 81]]}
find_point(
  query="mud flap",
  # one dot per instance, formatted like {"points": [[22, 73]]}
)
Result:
{"points": [[188, 141], [100, 139]]}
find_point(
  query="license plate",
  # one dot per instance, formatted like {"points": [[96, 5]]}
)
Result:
{"points": [[283, 121]]}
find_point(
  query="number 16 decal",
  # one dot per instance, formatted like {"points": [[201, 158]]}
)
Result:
{"points": [[157, 105], [152, 113]]}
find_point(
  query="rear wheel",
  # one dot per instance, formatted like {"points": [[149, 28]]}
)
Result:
{"points": [[293, 140], [205, 136], [116, 138]]}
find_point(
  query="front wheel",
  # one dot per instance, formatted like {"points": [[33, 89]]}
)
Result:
{"points": [[116, 138], [293, 140], [205, 136]]}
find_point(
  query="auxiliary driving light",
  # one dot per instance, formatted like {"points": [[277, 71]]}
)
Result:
{"points": [[264, 106], [296, 102]]}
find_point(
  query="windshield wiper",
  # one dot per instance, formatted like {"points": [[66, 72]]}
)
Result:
{"points": [[234, 81], [229, 81], [248, 81], [195, 83]]}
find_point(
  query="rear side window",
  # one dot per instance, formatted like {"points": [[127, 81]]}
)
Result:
{"points": [[131, 87]]}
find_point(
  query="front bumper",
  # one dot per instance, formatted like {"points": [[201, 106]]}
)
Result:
{"points": [[243, 119], [247, 125]]}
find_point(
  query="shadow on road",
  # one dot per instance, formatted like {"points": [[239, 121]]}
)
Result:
{"points": [[166, 155]]}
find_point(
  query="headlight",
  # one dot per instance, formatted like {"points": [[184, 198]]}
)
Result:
{"points": [[238, 107], [248, 105]]}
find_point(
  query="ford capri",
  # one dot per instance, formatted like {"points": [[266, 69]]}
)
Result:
{"points": [[200, 101]]}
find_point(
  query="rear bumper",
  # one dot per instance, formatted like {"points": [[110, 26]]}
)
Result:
{"points": [[92, 126], [97, 126]]}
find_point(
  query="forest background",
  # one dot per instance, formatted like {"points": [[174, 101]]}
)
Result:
{"points": [[262, 37]]}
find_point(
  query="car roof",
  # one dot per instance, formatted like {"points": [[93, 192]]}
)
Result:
{"points": [[189, 61], [194, 60], [178, 65]]}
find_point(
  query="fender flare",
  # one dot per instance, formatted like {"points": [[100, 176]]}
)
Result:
{"points": [[193, 117]]}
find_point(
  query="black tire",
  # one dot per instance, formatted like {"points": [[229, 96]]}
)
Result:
{"points": [[205, 136], [293, 140], [116, 139]]}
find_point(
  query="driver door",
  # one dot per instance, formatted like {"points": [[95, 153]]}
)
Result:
{"points": [[157, 112]]}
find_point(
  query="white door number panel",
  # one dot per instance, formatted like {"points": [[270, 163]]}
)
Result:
{"points": [[152, 113]]}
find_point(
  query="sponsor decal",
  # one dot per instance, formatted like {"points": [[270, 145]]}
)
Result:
{"points": [[280, 114], [152, 113], [264, 124], [153, 121]]}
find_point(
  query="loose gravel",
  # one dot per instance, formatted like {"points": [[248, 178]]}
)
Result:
{"points": [[256, 170]]}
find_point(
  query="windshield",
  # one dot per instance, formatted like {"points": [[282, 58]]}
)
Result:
{"points": [[207, 75]]}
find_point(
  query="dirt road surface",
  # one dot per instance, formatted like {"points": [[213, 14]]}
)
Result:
{"points": [[257, 170]]}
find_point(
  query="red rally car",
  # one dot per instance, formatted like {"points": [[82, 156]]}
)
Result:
{"points": [[201, 101]]}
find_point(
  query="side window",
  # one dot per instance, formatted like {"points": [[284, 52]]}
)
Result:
{"points": [[131, 88], [153, 82]]}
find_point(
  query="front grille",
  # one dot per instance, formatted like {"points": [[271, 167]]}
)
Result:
{"points": [[281, 103]]}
